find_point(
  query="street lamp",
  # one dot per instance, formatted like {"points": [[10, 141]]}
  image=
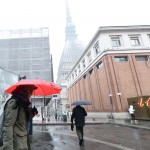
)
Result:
{"points": [[55, 109], [110, 115], [119, 94]]}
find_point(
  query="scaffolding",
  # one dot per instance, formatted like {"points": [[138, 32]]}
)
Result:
{"points": [[27, 53]]}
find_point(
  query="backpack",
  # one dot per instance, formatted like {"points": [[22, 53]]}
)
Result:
{"points": [[2, 120]]}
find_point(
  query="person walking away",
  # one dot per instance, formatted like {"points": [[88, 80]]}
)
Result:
{"points": [[78, 114], [131, 112], [16, 117]]}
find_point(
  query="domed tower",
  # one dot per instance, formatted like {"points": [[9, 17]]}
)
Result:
{"points": [[72, 51]]}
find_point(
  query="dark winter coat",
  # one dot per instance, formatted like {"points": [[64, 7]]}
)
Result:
{"points": [[78, 114]]}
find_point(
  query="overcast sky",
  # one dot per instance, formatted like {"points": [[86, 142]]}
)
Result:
{"points": [[87, 16]]}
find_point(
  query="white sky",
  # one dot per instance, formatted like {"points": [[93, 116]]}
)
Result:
{"points": [[87, 16]]}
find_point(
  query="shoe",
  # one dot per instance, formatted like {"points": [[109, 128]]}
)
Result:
{"points": [[80, 142]]}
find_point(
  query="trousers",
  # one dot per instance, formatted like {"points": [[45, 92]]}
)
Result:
{"points": [[79, 131]]}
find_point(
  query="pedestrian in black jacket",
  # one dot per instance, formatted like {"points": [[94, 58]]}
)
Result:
{"points": [[78, 113]]}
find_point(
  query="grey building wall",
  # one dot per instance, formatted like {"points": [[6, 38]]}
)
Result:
{"points": [[27, 53]]}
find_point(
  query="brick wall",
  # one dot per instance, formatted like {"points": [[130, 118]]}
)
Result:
{"points": [[121, 79]]}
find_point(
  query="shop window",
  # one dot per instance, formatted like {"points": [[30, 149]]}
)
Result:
{"points": [[99, 65], [84, 77], [91, 71], [141, 58], [121, 58]]}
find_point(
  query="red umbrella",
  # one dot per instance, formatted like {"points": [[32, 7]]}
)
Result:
{"points": [[56, 88], [52, 84], [43, 88]]}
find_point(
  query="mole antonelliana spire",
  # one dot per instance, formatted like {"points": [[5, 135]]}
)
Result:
{"points": [[70, 28], [72, 51]]}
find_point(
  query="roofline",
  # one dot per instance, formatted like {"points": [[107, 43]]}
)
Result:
{"points": [[107, 28]]}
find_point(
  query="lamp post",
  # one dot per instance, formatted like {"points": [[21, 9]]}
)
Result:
{"points": [[119, 94], [110, 115], [55, 109]]}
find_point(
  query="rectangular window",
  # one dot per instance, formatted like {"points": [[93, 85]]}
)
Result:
{"points": [[83, 63], [79, 68], [135, 41], [141, 58], [115, 41], [89, 57], [121, 58], [75, 72], [96, 48], [99, 65], [72, 76]]}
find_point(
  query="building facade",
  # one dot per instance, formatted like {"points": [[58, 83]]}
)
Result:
{"points": [[114, 67], [27, 53]]}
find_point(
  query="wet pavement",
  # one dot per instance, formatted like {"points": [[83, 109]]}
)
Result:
{"points": [[134, 124], [102, 135]]}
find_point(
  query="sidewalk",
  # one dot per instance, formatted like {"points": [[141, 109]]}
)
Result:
{"points": [[134, 124]]}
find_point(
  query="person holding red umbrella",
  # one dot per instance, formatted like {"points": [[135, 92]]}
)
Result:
{"points": [[17, 113]]}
